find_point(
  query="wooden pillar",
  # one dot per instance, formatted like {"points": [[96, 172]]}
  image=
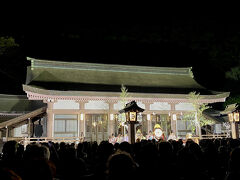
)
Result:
{"points": [[173, 122], [33, 129], [29, 128], [131, 132], [50, 120], [82, 115], [235, 130], [82, 124], [149, 121], [6, 133], [111, 124]]}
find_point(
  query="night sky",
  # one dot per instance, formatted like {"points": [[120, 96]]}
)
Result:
{"points": [[209, 45]]}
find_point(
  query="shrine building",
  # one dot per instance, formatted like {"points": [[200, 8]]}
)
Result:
{"points": [[83, 99]]}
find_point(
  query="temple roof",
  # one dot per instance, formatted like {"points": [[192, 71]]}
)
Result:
{"points": [[46, 76], [131, 106], [18, 103], [12, 106]]}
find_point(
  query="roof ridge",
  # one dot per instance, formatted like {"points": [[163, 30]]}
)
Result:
{"points": [[13, 96], [40, 63]]}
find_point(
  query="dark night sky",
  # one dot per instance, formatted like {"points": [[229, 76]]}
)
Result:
{"points": [[207, 44]]}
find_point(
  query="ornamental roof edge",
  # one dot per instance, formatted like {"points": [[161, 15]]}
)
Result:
{"points": [[35, 94], [41, 63]]}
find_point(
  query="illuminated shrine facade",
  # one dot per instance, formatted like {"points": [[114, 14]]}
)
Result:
{"points": [[83, 99]]}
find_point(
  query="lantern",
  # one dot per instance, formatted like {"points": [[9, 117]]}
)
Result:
{"points": [[230, 117], [233, 117], [131, 110]]}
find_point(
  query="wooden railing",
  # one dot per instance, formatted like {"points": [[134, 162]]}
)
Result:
{"points": [[215, 136], [25, 140]]}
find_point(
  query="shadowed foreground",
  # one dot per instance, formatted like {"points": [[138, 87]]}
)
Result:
{"points": [[215, 159]]}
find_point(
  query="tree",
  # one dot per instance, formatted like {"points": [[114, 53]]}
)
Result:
{"points": [[233, 80], [123, 97], [6, 43], [233, 74], [196, 116]]}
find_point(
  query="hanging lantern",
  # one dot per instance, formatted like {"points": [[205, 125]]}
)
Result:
{"points": [[131, 111]]}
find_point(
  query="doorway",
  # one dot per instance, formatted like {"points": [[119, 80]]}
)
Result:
{"points": [[164, 121], [96, 126]]}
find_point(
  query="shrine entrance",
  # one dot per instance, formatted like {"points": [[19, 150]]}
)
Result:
{"points": [[143, 124], [164, 121], [96, 126]]}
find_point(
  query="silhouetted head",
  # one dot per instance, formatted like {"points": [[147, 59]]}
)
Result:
{"points": [[9, 149], [233, 143], [125, 146], [165, 148], [235, 155], [121, 165], [234, 160], [37, 151]]}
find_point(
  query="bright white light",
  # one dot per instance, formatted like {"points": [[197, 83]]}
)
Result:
{"points": [[82, 117], [174, 117], [111, 116], [148, 117]]}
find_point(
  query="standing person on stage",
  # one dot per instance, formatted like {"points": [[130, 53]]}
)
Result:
{"points": [[172, 136], [119, 138], [82, 137], [112, 139], [158, 133], [149, 136], [139, 136]]}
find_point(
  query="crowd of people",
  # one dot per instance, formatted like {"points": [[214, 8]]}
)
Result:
{"points": [[211, 159], [157, 135]]}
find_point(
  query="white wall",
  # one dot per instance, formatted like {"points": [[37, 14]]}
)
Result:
{"points": [[141, 105], [118, 106], [96, 105], [184, 107], [160, 106], [66, 104], [20, 131]]}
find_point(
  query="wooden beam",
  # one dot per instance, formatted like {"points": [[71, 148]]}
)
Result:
{"points": [[6, 133], [24, 117], [29, 127]]}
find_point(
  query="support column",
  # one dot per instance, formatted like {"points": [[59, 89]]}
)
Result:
{"points": [[81, 118], [173, 122], [149, 121], [111, 124], [6, 133], [50, 120], [29, 128], [235, 131], [131, 133], [82, 124]]}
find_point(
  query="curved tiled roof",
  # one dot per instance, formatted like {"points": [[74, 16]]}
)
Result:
{"points": [[77, 78], [92, 75]]}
